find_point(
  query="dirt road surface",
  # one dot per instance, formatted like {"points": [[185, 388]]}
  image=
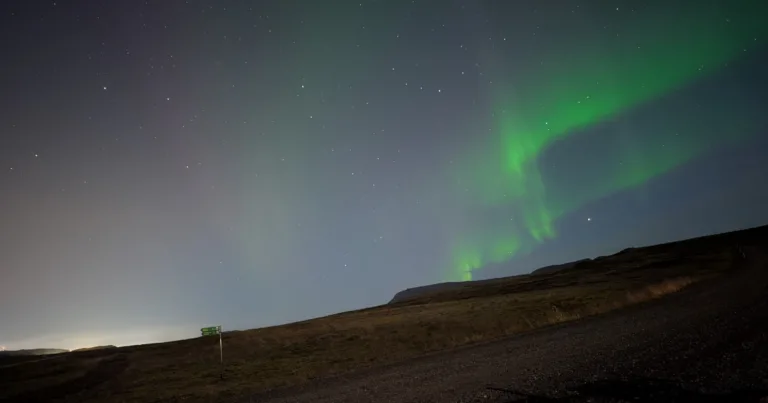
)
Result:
{"points": [[706, 343]]}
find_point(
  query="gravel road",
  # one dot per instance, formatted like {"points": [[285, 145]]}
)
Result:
{"points": [[706, 343]]}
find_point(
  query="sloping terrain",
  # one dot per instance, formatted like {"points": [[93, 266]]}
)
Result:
{"points": [[33, 351], [362, 341], [558, 267], [706, 343], [431, 289]]}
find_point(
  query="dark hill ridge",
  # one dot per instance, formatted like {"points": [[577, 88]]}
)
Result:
{"points": [[33, 351], [16, 356], [94, 348], [418, 292], [557, 267], [624, 259], [426, 290]]}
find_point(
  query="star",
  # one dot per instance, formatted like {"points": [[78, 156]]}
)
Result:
{"points": [[589, 218]]}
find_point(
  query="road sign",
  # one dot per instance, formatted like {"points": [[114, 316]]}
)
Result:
{"points": [[213, 331]]}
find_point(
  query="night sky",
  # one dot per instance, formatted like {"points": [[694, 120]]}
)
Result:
{"points": [[167, 165]]}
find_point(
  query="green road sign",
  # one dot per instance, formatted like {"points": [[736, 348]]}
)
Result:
{"points": [[213, 331], [210, 331]]}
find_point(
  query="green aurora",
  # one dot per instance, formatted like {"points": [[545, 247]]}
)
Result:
{"points": [[587, 87]]}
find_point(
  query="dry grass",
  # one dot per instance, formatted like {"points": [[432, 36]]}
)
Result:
{"points": [[659, 290], [278, 356]]}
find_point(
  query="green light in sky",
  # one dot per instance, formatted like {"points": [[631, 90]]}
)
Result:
{"points": [[468, 258], [598, 82], [587, 86], [503, 249]]}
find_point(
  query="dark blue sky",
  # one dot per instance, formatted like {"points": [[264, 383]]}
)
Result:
{"points": [[168, 165]]}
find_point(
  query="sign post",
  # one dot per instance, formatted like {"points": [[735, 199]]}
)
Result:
{"points": [[213, 331]]}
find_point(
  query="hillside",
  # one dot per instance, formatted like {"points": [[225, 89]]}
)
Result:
{"points": [[558, 267], [33, 351], [94, 348], [445, 318], [426, 290]]}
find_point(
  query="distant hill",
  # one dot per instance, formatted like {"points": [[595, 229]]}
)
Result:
{"points": [[414, 292], [421, 291], [418, 292], [94, 348], [558, 267], [33, 351], [432, 290]]}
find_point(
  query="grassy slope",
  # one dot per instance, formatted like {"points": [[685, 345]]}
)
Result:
{"points": [[272, 357]]}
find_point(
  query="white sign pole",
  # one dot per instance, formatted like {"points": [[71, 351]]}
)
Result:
{"points": [[221, 347]]}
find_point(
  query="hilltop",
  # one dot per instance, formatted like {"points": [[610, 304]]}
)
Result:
{"points": [[94, 348], [426, 290]]}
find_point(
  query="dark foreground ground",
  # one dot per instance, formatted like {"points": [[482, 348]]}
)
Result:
{"points": [[707, 343]]}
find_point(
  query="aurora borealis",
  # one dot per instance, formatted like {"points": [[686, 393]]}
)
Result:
{"points": [[596, 81], [177, 164]]}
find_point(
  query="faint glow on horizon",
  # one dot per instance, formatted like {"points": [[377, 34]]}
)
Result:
{"points": [[137, 336]]}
